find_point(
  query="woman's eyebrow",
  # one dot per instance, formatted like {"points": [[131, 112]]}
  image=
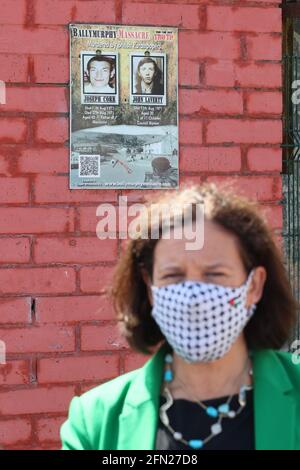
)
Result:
{"points": [[169, 268], [217, 265]]}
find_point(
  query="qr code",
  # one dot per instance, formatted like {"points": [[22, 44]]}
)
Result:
{"points": [[89, 165]]}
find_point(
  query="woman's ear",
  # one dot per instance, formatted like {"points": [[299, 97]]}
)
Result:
{"points": [[147, 281], [256, 287]]}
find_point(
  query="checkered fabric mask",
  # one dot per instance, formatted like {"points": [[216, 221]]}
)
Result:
{"points": [[201, 320]]}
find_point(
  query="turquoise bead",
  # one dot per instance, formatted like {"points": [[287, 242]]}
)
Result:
{"points": [[224, 408], [169, 359], [196, 444], [168, 375], [212, 412]]}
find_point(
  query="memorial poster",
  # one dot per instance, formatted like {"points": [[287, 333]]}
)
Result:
{"points": [[123, 98]]}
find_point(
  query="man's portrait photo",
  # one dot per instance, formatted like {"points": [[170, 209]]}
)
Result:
{"points": [[147, 75], [99, 74]]}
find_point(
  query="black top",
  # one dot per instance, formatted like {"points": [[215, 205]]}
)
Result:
{"points": [[188, 418]]}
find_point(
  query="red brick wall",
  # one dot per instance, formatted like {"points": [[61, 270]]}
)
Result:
{"points": [[60, 333]]}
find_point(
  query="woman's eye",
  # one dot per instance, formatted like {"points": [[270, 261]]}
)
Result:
{"points": [[167, 276], [214, 274]]}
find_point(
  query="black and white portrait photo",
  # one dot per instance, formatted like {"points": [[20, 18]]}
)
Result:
{"points": [[148, 79]]}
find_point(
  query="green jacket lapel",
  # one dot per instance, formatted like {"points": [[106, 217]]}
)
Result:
{"points": [[139, 419], [274, 405]]}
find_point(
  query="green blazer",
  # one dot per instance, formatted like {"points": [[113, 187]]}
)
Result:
{"points": [[123, 413]]}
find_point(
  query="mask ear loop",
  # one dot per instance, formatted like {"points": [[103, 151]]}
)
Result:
{"points": [[253, 306], [250, 275]]}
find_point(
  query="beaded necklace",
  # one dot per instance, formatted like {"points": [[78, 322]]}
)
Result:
{"points": [[222, 412]]}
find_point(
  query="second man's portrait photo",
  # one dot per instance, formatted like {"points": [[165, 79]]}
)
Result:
{"points": [[147, 75]]}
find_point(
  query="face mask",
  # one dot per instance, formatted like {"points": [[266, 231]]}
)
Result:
{"points": [[201, 321]]}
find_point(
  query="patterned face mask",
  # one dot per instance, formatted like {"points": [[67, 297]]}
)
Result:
{"points": [[201, 320]]}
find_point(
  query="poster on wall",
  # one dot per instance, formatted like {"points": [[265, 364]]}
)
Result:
{"points": [[124, 114]]}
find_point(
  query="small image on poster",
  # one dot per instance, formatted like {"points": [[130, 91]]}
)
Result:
{"points": [[148, 79], [99, 78], [124, 114]]}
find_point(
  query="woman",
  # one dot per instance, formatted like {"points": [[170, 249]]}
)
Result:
{"points": [[215, 319]]}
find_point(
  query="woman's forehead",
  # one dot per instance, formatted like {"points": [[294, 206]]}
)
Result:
{"points": [[219, 246]]}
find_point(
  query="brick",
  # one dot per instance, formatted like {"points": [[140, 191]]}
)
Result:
{"points": [[51, 69], [194, 158], [56, 189], [101, 338], [13, 11], [37, 280], [52, 130], [237, 131], [195, 45], [185, 16], [258, 75], [51, 40], [188, 72], [228, 18], [36, 99], [220, 73], [135, 361], [15, 310], [264, 47], [207, 101], [14, 431], [74, 250], [211, 159], [71, 369], [264, 159], [88, 219], [43, 338], [48, 429], [4, 165], [36, 400], [67, 11], [14, 250], [14, 68], [14, 373], [73, 309], [142, 195], [190, 131], [95, 279], [36, 220], [259, 188], [14, 190], [13, 130], [44, 160], [269, 102]]}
